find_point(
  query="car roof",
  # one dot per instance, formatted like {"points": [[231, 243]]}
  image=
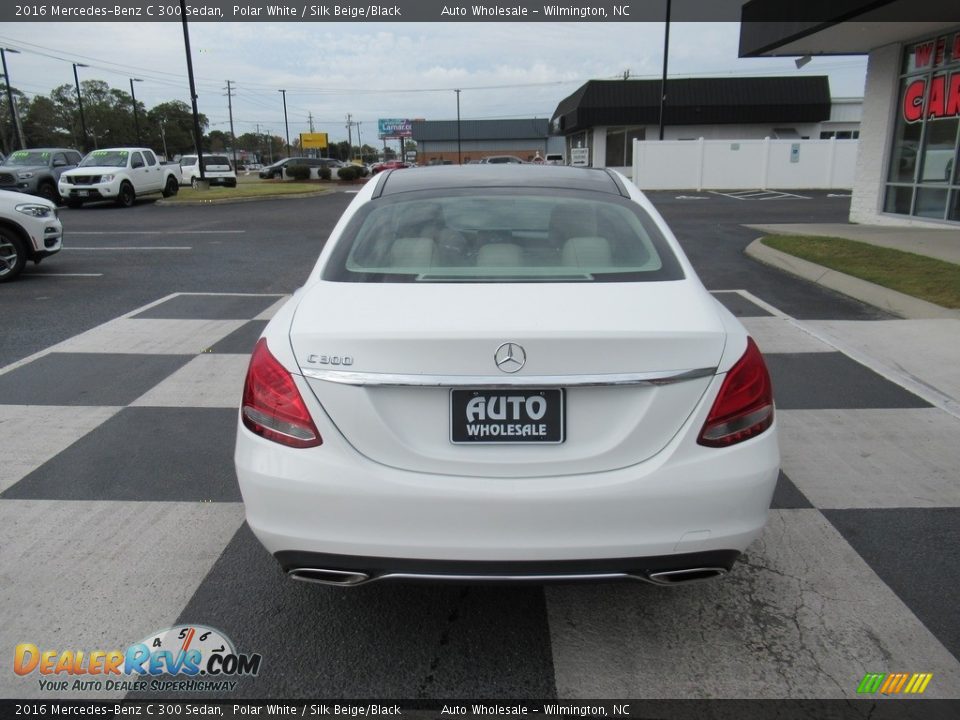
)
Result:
{"points": [[48, 149], [497, 176]]}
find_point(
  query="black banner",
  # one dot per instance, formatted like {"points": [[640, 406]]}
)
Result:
{"points": [[312, 11], [886, 708]]}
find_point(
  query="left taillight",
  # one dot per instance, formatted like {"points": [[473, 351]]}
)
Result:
{"points": [[272, 406]]}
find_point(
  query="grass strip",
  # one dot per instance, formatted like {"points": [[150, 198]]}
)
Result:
{"points": [[922, 277], [248, 190]]}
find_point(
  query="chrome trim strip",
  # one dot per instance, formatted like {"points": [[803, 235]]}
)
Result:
{"points": [[368, 379], [573, 577]]}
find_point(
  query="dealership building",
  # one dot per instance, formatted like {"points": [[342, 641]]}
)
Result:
{"points": [[437, 140], [907, 164], [606, 116]]}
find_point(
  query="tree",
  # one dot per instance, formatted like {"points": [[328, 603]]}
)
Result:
{"points": [[43, 124], [170, 125], [217, 141]]}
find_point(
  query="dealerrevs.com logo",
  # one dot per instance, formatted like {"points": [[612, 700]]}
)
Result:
{"points": [[185, 658]]}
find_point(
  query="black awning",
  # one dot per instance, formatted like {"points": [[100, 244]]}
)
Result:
{"points": [[696, 101]]}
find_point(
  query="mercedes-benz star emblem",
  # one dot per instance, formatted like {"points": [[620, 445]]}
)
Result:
{"points": [[510, 357]]}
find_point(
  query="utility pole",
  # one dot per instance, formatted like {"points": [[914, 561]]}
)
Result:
{"points": [[286, 124], [663, 79], [13, 111], [459, 152], [359, 142], [349, 136], [197, 136], [163, 139], [313, 152], [83, 122], [136, 118], [233, 138]]}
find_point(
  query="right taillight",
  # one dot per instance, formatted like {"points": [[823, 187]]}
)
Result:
{"points": [[272, 407], [744, 406]]}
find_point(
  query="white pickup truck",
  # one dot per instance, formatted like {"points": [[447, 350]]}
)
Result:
{"points": [[118, 174]]}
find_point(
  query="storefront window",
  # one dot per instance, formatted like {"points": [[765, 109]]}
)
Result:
{"points": [[926, 139], [620, 145]]}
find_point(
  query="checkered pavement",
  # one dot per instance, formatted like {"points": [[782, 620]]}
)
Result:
{"points": [[120, 515]]}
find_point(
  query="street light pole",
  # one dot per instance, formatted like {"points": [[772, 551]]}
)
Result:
{"points": [[663, 79], [136, 118], [459, 153], [286, 124], [83, 121], [13, 110]]}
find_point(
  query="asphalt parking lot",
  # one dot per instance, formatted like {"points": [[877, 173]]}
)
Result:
{"points": [[121, 363]]}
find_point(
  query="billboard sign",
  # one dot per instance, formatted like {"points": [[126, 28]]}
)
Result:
{"points": [[394, 128], [313, 141]]}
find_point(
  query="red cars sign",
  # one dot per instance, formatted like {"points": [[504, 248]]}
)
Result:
{"points": [[937, 96]]}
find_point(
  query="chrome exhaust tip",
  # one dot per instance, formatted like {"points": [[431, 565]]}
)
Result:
{"points": [[686, 575], [322, 576]]}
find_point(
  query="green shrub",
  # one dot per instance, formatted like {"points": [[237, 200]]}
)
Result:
{"points": [[325, 173], [348, 173], [299, 172]]}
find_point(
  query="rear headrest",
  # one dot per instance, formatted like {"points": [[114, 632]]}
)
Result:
{"points": [[590, 251], [413, 252]]}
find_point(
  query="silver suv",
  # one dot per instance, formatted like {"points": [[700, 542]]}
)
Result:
{"points": [[37, 171]]}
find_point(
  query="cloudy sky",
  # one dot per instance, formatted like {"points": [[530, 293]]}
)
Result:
{"points": [[382, 70]]}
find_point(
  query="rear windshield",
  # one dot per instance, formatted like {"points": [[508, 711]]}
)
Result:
{"points": [[209, 160], [26, 158], [106, 158], [513, 235]]}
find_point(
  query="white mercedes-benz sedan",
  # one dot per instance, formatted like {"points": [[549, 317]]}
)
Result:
{"points": [[505, 373]]}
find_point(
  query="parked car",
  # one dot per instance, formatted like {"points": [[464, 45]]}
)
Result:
{"points": [[276, 169], [389, 165], [508, 373], [118, 174], [37, 171], [217, 170], [554, 159], [501, 160], [29, 230]]}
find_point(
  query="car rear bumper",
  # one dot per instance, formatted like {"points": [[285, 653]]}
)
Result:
{"points": [[333, 501], [349, 571]]}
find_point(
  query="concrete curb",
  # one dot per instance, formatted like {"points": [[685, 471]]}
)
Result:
{"points": [[892, 301], [233, 201]]}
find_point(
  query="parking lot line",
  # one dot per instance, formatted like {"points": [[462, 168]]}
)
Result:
{"points": [[159, 301], [904, 379], [67, 275], [131, 247]]}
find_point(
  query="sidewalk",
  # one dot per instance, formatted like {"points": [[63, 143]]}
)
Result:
{"points": [[924, 348]]}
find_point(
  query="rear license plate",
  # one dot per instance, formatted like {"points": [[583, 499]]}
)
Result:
{"points": [[479, 417]]}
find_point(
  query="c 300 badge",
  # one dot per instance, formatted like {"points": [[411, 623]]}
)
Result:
{"points": [[330, 360]]}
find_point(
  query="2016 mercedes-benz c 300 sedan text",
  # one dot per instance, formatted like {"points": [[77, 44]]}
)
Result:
{"points": [[505, 373]]}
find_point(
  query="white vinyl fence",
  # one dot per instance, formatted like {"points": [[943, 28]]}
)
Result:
{"points": [[744, 164]]}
